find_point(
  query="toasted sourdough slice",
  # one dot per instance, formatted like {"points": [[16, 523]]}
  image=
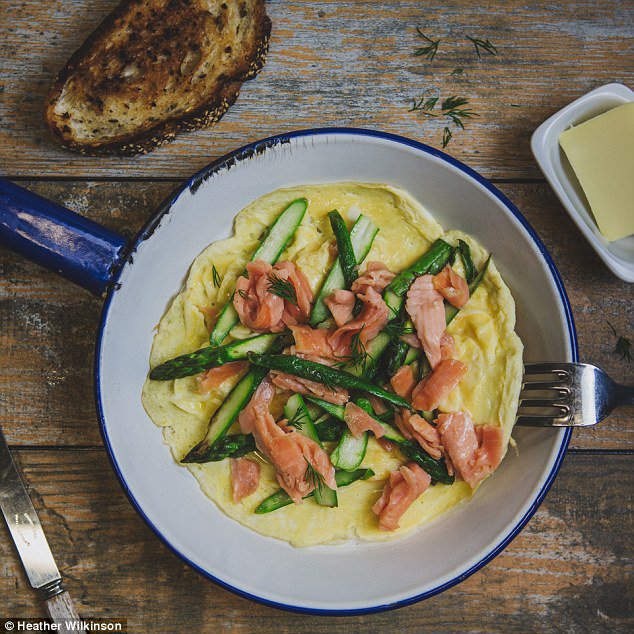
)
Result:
{"points": [[153, 68]]}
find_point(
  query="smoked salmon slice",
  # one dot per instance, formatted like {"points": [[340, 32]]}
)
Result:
{"points": [[359, 421], [377, 276], [245, 478], [215, 377], [386, 445], [296, 312], [257, 307], [368, 323], [412, 425], [425, 306], [447, 347], [435, 388], [403, 382], [289, 451], [377, 404], [405, 485], [261, 309], [332, 394], [312, 342], [258, 405], [340, 304], [452, 287], [474, 451], [294, 478]]}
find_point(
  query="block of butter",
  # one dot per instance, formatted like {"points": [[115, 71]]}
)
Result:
{"points": [[601, 152]]}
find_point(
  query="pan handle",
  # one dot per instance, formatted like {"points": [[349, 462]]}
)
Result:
{"points": [[59, 239]]}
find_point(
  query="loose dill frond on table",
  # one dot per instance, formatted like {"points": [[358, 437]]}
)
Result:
{"points": [[623, 346], [446, 137], [453, 102], [430, 49], [484, 45], [424, 105], [452, 108]]}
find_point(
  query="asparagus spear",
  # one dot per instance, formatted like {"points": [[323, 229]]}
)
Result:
{"points": [[233, 446], [430, 262], [322, 374], [362, 235], [467, 262], [210, 357], [347, 259]]}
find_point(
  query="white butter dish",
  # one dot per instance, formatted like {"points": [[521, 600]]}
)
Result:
{"points": [[619, 255]]}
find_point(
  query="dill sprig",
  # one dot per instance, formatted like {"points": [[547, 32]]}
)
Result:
{"points": [[485, 45], [282, 288], [298, 419], [397, 329], [446, 137], [215, 276], [424, 105], [312, 476], [453, 102], [452, 108], [430, 49], [245, 295], [623, 345], [359, 357]]}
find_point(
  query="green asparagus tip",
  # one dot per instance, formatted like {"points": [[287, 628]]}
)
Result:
{"points": [[197, 453]]}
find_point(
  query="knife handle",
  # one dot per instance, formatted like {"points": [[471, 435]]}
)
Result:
{"points": [[61, 609]]}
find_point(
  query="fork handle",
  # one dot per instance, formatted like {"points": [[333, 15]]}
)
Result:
{"points": [[624, 395]]}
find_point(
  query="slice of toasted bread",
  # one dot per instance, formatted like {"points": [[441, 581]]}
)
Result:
{"points": [[153, 68]]}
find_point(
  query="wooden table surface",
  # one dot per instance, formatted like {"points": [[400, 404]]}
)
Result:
{"points": [[331, 63]]}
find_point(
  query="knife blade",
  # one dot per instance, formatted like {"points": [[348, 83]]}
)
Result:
{"points": [[29, 539]]}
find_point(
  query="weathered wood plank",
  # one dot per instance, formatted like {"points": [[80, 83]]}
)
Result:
{"points": [[569, 571], [343, 63], [47, 326]]}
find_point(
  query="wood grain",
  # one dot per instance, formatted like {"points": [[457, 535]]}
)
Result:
{"points": [[48, 326], [343, 63], [570, 570]]}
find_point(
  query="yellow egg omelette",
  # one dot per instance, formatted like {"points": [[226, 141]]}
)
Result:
{"points": [[484, 334]]}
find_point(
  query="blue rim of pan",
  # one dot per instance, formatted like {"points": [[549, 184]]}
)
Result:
{"points": [[248, 151]]}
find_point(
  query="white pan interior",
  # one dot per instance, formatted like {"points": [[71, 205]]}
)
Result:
{"points": [[352, 576]]}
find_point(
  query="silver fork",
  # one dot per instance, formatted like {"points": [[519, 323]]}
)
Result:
{"points": [[568, 395]]}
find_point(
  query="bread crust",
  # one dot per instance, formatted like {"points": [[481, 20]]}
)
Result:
{"points": [[205, 115]]}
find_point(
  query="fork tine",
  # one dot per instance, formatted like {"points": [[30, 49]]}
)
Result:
{"points": [[541, 368], [540, 421], [548, 393], [546, 378], [541, 410]]}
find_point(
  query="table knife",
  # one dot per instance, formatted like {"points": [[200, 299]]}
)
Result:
{"points": [[28, 536]]}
